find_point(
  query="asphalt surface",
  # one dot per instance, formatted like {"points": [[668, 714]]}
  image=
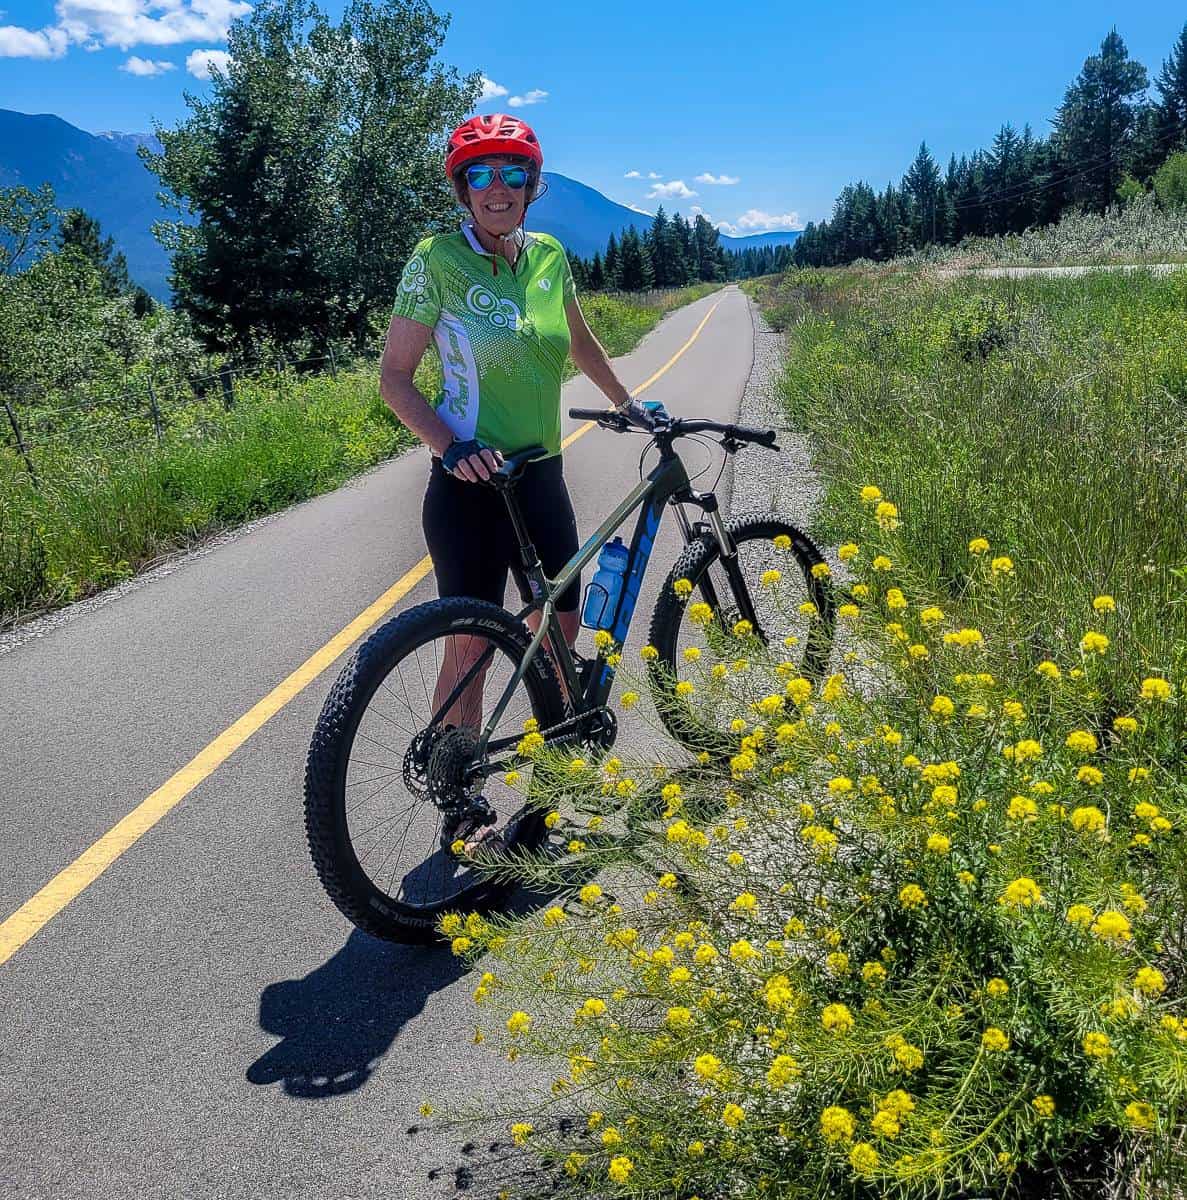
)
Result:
{"points": [[201, 1021]]}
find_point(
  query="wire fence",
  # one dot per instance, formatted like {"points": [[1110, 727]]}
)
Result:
{"points": [[143, 416]]}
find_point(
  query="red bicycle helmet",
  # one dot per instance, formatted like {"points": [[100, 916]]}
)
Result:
{"points": [[498, 133]]}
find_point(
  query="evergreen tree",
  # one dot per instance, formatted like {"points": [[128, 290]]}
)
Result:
{"points": [[705, 246], [659, 244], [922, 184], [597, 277], [613, 271], [1171, 86], [634, 269], [1095, 123], [685, 247]]}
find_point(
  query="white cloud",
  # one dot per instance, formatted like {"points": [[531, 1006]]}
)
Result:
{"points": [[16, 42], [127, 23], [633, 175], [199, 62], [94, 24], [636, 208], [532, 97], [146, 66], [726, 227], [676, 190], [654, 175], [708, 177], [491, 90], [754, 218]]}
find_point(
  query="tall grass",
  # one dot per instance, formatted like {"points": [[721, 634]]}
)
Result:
{"points": [[109, 502], [1139, 232], [1047, 415]]}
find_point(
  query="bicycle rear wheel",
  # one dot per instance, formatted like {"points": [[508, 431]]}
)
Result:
{"points": [[379, 766], [700, 721]]}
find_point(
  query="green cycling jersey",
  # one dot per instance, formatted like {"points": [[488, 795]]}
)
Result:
{"points": [[501, 332]]}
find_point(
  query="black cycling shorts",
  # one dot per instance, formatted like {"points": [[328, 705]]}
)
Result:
{"points": [[471, 540]]}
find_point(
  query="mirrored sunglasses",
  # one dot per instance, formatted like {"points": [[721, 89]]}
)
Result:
{"points": [[479, 176]]}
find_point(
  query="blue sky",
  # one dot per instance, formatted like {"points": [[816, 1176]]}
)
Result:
{"points": [[790, 101]]}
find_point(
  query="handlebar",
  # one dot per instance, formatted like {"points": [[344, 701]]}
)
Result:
{"points": [[608, 418]]}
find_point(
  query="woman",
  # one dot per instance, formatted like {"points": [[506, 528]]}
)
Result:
{"points": [[500, 304]]}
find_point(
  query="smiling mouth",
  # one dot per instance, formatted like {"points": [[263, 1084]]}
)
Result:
{"points": [[497, 208]]}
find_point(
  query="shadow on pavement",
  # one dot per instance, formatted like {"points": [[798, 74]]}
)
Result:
{"points": [[337, 1022]]}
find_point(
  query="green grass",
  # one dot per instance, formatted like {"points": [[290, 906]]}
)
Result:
{"points": [[110, 501], [1044, 414]]}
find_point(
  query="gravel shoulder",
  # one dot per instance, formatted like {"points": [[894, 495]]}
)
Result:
{"points": [[759, 480]]}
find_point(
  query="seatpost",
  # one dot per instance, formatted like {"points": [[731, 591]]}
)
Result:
{"points": [[527, 551]]}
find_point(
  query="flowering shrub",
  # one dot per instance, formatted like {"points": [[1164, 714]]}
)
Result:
{"points": [[922, 934], [1140, 231]]}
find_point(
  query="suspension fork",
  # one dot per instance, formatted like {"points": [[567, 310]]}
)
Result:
{"points": [[728, 549]]}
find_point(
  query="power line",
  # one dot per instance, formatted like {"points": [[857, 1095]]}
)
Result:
{"points": [[1026, 189]]}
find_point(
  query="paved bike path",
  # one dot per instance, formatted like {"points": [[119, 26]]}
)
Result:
{"points": [[201, 1021]]}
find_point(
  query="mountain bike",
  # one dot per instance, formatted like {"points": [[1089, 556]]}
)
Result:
{"points": [[399, 759]]}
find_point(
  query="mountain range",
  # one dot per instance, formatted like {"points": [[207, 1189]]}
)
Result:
{"points": [[100, 173]]}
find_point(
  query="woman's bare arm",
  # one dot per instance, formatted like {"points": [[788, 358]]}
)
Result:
{"points": [[406, 343], [591, 358]]}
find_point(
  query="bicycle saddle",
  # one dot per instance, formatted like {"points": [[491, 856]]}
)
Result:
{"points": [[513, 465]]}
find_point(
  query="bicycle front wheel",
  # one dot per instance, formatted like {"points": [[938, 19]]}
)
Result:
{"points": [[688, 648], [387, 766]]}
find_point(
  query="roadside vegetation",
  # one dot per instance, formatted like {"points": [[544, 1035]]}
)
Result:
{"points": [[922, 934], [109, 496], [1143, 230]]}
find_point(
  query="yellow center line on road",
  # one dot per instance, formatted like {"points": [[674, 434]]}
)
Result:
{"points": [[41, 908]]}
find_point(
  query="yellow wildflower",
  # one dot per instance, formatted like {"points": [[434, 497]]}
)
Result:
{"points": [[1094, 643], [1021, 893], [518, 1022], [1150, 981], [1097, 1045], [837, 1124], [1155, 689], [1112, 926], [620, 1168]]}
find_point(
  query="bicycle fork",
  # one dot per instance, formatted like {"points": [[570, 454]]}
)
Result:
{"points": [[707, 502]]}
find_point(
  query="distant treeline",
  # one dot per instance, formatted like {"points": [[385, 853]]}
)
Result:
{"points": [[671, 252], [1110, 136]]}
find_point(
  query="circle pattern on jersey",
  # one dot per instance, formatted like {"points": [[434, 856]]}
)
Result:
{"points": [[415, 279], [502, 314]]}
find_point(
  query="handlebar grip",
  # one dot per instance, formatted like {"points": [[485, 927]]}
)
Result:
{"points": [[763, 437], [589, 414]]}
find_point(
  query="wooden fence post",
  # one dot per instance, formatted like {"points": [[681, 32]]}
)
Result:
{"points": [[20, 443], [333, 363], [224, 375], [156, 412]]}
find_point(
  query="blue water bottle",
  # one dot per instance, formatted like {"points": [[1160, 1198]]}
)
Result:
{"points": [[601, 596]]}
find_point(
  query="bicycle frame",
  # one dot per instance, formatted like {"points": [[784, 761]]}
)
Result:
{"points": [[667, 483]]}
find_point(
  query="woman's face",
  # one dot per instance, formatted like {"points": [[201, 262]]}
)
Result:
{"points": [[498, 208]]}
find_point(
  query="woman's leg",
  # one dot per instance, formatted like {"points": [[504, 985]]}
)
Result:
{"points": [[462, 540], [548, 513]]}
